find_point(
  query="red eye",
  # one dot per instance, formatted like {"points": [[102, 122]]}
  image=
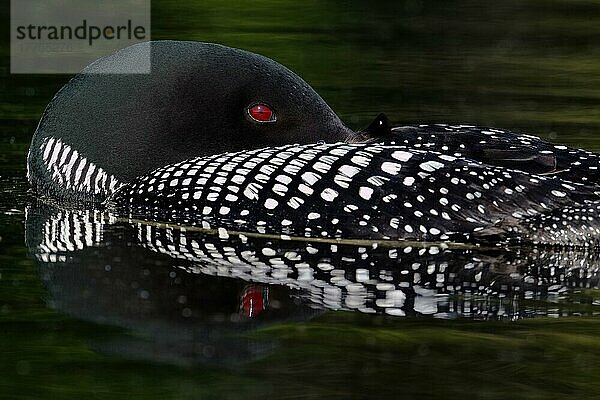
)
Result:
{"points": [[261, 113]]}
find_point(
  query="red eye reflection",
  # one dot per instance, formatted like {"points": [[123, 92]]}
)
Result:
{"points": [[261, 113]]}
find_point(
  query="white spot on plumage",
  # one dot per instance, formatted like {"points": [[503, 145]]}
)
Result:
{"points": [[269, 252], [391, 167], [267, 169], [87, 181], [271, 203], [101, 177], [431, 166], [408, 181], [56, 151], [238, 179], [113, 184], [377, 180], [402, 155], [295, 202], [47, 149], [365, 192], [361, 161], [280, 189], [446, 157], [251, 191], [305, 189], [212, 196], [329, 194], [350, 208], [231, 197], [348, 170], [310, 177], [321, 167], [262, 178], [223, 234], [224, 210], [291, 169], [286, 180], [79, 170], [337, 151]]}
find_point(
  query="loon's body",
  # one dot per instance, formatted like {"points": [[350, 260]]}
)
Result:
{"points": [[366, 191], [219, 137], [501, 148]]}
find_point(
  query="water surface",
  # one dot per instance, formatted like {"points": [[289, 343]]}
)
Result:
{"points": [[97, 307]]}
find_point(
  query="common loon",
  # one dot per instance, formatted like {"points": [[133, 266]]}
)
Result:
{"points": [[221, 138]]}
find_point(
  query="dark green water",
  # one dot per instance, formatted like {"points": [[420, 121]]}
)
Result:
{"points": [[120, 319]]}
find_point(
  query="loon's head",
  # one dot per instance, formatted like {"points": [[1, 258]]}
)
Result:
{"points": [[198, 99]]}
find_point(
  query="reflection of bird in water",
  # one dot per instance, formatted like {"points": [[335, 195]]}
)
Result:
{"points": [[370, 277], [96, 272], [254, 300]]}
